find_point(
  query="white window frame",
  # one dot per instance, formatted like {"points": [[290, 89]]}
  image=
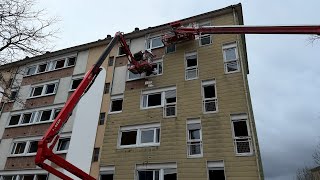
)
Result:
{"points": [[44, 88], [208, 23], [114, 98], [62, 151], [119, 46], [204, 100], [175, 49], [155, 91], [143, 75], [150, 39], [107, 170], [35, 117], [170, 105], [187, 69], [26, 148], [72, 80], [226, 62], [189, 141], [139, 129], [236, 118], [161, 167], [216, 165], [158, 63], [51, 65]]}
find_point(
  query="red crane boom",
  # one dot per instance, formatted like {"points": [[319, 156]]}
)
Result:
{"points": [[140, 62]]}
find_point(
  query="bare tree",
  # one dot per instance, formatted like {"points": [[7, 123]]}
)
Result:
{"points": [[24, 31], [305, 172]]}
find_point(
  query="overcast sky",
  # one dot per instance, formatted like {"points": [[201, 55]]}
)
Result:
{"points": [[284, 69]]}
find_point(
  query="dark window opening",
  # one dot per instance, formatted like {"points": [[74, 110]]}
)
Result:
{"points": [[28, 177], [148, 175], [102, 118], [128, 138], [106, 177], [50, 88], [33, 147], [216, 175], [75, 83], [170, 176], [206, 39], [106, 88], [59, 64], [45, 116], [171, 100], [110, 62], [19, 149], [63, 144], [71, 61], [171, 48], [122, 50], [14, 120], [31, 70], [56, 113], [240, 128], [42, 177], [26, 118], [116, 105], [37, 91], [192, 61], [95, 156], [13, 95], [42, 68], [154, 99], [209, 91]]}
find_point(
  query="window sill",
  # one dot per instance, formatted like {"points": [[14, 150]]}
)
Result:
{"points": [[225, 72], [122, 55], [61, 152], [115, 112], [22, 155], [192, 79], [139, 146], [210, 112], [34, 97], [48, 71], [29, 124], [200, 45], [135, 79], [152, 107], [150, 49], [244, 154], [195, 156]]}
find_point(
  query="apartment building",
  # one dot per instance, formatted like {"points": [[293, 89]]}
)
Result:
{"points": [[190, 119]]}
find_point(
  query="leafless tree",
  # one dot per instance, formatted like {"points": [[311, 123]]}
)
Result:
{"points": [[305, 173], [24, 31]]}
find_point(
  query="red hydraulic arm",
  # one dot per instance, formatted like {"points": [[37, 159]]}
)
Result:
{"points": [[47, 143], [139, 63]]}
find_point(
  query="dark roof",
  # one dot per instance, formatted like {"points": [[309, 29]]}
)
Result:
{"points": [[131, 35]]}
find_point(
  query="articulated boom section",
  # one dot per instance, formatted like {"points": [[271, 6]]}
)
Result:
{"points": [[180, 34]]}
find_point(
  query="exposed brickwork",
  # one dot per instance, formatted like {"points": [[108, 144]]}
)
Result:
{"points": [[137, 84], [158, 52], [48, 76], [121, 61], [8, 107], [40, 101], [24, 131]]}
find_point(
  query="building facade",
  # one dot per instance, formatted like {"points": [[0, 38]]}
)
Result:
{"points": [[191, 119]]}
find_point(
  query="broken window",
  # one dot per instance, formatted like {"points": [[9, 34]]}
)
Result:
{"points": [[14, 120], [42, 68], [95, 155], [216, 170], [170, 48], [191, 66], [18, 147], [116, 104], [230, 56], [194, 140], [71, 61], [102, 118], [205, 39], [63, 144], [50, 88], [75, 83], [45, 115], [33, 147], [242, 138], [31, 70], [209, 96], [170, 103], [27, 118], [128, 138], [154, 42], [59, 64]]}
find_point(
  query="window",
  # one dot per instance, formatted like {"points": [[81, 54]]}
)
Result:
{"points": [[59, 64], [102, 118], [121, 50], [107, 173], [216, 170], [205, 39], [27, 118], [14, 120], [170, 104], [31, 70], [95, 155], [241, 134], [33, 147], [231, 59], [194, 139], [110, 62], [170, 48], [154, 42], [45, 115], [157, 67], [75, 83], [42, 90], [13, 94], [9, 177], [18, 147], [116, 104], [106, 177], [42, 68], [136, 136], [165, 171], [56, 113], [151, 100], [106, 88], [24, 177], [209, 97], [63, 144], [71, 61], [191, 66], [133, 76]]}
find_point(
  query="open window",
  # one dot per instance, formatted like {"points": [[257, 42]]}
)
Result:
{"points": [[116, 104], [27, 118], [71, 61], [231, 58], [161, 171], [59, 64], [14, 120], [170, 103], [194, 139], [75, 83], [63, 144], [241, 134], [191, 63], [216, 170], [154, 42], [18, 147], [209, 97], [45, 115], [33, 147], [42, 68]]}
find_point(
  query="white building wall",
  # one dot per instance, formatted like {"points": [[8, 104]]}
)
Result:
{"points": [[24, 93], [119, 80], [5, 146], [63, 90], [81, 63], [85, 125], [3, 122], [137, 45]]}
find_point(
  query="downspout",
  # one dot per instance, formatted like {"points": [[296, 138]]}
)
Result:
{"points": [[246, 87]]}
